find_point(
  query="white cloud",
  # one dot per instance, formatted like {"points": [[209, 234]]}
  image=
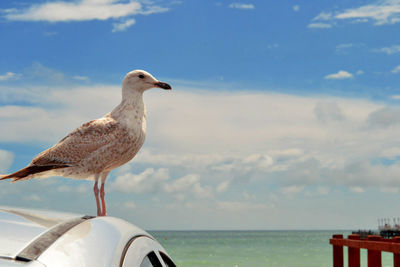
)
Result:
{"points": [[272, 46], [396, 69], [186, 159], [235, 206], [319, 25], [123, 26], [155, 9], [242, 6], [152, 181], [130, 205], [388, 189], [286, 153], [219, 114], [148, 181], [382, 12], [9, 76], [81, 78], [6, 159], [360, 72], [390, 50], [322, 190], [291, 190], [396, 97], [50, 33], [345, 46], [46, 74], [296, 8], [322, 21], [64, 188], [357, 189], [83, 188], [323, 16], [40, 124], [182, 184], [84, 10], [364, 174], [390, 153], [384, 117], [204, 192], [248, 196], [42, 118], [222, 187], [328, 112], [340, 75], [33, 197], [76, 11]]}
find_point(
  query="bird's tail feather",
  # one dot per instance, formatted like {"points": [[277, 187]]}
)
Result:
{"points": [[30, 170]]}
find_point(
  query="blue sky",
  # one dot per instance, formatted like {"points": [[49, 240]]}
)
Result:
{"points": [[284, 114]]}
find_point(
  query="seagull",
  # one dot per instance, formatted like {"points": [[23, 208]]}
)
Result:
{"points": [[98, 146]]}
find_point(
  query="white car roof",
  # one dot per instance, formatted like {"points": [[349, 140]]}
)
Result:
{"points": [[19, 227], [45, 237]]}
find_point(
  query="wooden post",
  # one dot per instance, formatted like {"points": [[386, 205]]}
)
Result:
{"points": [[374, 256], [396, 257], [354, 253], [338, 253]]}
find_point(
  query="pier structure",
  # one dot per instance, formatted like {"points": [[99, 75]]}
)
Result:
{"points": [[384, 224], [388, 230], [385, 229], [374, 244]]}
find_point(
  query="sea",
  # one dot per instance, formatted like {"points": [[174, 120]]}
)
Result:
{"points": [[254, 248]]}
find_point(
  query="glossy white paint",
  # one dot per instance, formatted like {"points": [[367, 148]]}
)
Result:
{"points": [[98, 241], [19, 227], [95, 242]]}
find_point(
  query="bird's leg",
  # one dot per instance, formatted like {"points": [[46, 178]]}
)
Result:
{"points": [[103, 201], [103, 193], [96, 195]]}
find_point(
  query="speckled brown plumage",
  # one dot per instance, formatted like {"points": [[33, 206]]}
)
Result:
{"points": [[97, 146]]}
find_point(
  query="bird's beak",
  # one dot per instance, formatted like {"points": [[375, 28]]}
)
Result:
{"points": [[162, 85]]}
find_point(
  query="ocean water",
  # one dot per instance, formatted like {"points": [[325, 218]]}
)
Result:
{"points": [[254, 248]]}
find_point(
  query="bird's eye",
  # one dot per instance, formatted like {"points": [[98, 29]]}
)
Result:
{"points": [[141, 76]]}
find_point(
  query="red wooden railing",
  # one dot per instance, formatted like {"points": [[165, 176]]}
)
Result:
{"points": [[374, 244]]}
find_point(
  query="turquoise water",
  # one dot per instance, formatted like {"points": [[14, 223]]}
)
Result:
{"points": [[253, 248]]}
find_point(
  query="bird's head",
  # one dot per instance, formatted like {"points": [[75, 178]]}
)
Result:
{"points": [[141, 81]]}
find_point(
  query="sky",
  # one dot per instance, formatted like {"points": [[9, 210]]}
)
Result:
{"points": [[283, 114]]}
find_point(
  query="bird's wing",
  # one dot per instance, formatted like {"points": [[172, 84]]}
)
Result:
{"points": [[76, 146]]}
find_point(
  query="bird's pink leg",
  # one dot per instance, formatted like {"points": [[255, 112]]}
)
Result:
{"points": [[103, 201], [96, 194]]}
